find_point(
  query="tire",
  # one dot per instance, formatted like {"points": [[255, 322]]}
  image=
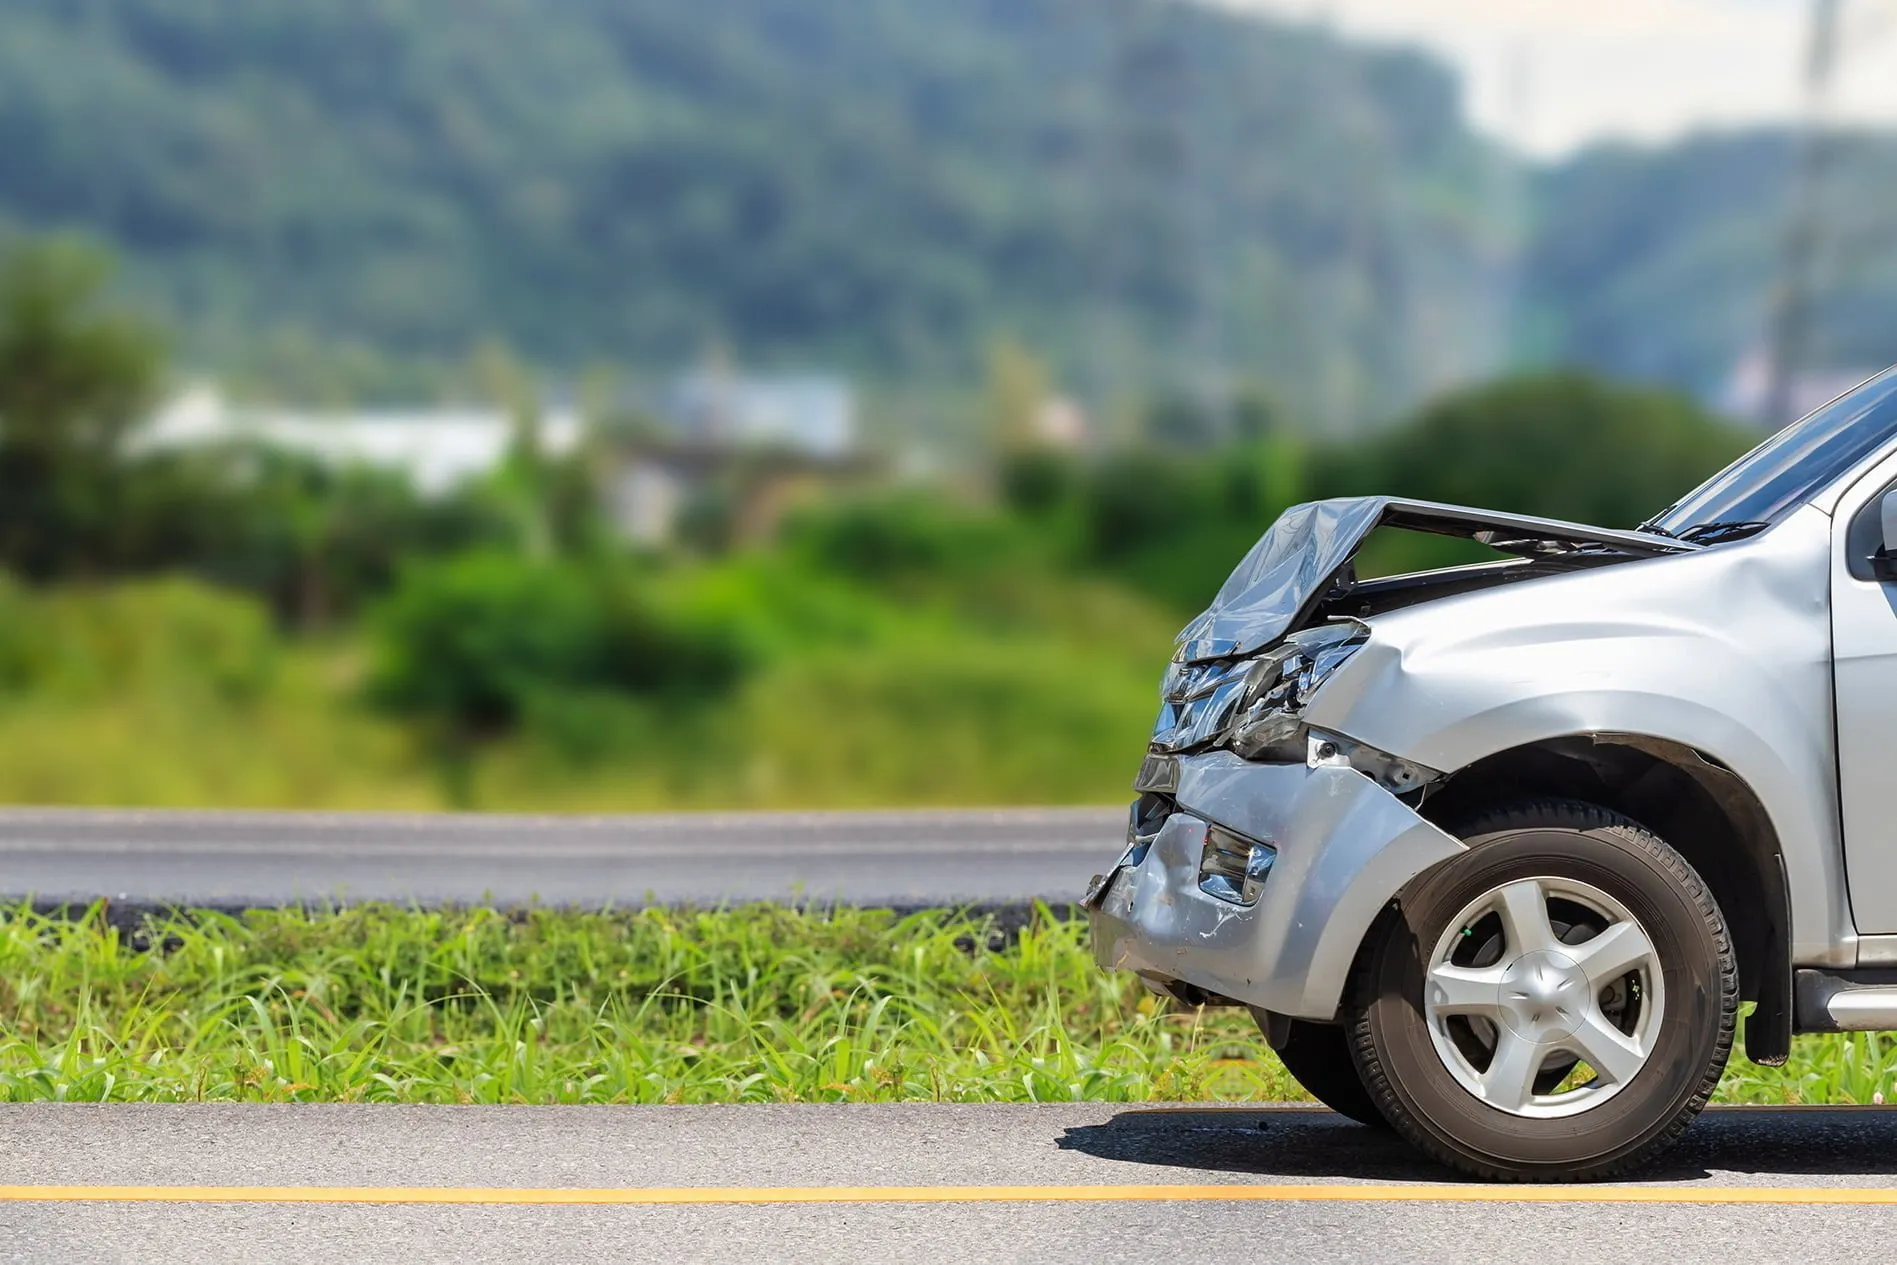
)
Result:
{"points": [[1466, 1034], [1318, 1057]]}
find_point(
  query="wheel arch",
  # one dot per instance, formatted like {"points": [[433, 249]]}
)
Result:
{"points": [[1704, 810]]}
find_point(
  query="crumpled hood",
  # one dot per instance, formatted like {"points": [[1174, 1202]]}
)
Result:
{"points": [[1297, 561]]}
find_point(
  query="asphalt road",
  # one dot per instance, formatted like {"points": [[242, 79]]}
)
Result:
{"points": [[235, 858], [1090, 1183]]}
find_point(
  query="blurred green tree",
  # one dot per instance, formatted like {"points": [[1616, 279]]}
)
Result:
{"points": [[901, 538], [1171, 523], [316, 540], [1562, 444], [1256, 415], [75, 375], [1198, 421], [476, 646]]}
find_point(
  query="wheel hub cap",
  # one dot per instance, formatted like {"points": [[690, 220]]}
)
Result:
{"points": [[1543, 996], [1534, 979]]}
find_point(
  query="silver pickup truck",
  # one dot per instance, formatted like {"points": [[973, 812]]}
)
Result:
{"points": [[1496, 853]]}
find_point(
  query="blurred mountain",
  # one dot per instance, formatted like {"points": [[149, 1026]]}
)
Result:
{"points": [[1155, 196], [1659, 263]]}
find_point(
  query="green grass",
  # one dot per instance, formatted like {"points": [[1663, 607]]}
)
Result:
{"points": [[656, 1006], [757, 1004]]}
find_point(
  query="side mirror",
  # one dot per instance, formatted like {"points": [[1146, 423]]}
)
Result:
{"points": [[1883, 562]]}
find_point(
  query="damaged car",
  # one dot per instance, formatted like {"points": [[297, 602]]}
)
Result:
{"points": [[1495, 853]]}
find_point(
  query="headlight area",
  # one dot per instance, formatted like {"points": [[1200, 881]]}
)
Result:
{"points": [[1253, 707]]}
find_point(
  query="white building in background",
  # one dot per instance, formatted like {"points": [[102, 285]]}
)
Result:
{"points": [[438, 449], [713, 423], [808, 414], [644, 496], [1061, 423]]}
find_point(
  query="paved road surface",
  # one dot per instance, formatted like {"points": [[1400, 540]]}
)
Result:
{"points": [[1253, 1184], [225, 858]]}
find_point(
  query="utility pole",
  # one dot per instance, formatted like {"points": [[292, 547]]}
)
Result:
{"points": [[1148, 276], [1204, 89], [1791, 299]]}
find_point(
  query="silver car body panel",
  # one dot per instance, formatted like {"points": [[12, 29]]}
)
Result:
{"points": [[1344, 846], [1726, 650]]}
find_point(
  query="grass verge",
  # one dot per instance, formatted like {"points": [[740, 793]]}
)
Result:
{"points": [[654, 1006]]}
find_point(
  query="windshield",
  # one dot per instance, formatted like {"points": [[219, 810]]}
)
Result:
{"points": [[1786, 470]]}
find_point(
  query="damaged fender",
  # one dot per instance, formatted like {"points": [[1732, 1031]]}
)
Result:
{"points": [[1726, 652]]}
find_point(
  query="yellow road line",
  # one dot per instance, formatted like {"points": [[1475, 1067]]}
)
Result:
{"points": [[660, 1195]]}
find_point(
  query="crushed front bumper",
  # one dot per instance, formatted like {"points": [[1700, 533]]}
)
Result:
{"points": [[1345, 847]]}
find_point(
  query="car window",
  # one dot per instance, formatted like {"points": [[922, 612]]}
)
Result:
{"points": [[1792, 466]]}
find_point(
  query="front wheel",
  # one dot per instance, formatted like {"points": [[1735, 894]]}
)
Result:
{"points": [[1555, 1004]]}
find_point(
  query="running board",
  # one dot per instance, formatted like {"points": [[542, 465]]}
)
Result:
{"points": [[1862, 1001]]}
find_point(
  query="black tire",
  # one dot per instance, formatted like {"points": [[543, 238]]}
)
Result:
{"points": [[1408, 1080], [1318, 1057]]}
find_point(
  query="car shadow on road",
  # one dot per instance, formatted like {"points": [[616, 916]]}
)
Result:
{"points": [[1305, 1142]]}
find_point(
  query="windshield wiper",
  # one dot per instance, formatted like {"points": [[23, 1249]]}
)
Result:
{"points": [[1728, 529]]}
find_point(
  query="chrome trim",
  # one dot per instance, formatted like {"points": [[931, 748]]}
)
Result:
{"points": [[1864, 1009]]}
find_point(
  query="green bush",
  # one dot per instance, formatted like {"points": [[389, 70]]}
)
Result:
{"points": [[75, 376], [1565, 445], [780, 607], [1171, 526], [316, 541], [478, 642], [902, 537]]}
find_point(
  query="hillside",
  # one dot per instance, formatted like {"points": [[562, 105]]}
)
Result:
{"points": [[1659, 263], [882, 185], [1136, 191]]}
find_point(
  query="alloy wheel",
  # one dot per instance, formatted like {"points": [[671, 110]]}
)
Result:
{"points": [[1544, 997]]}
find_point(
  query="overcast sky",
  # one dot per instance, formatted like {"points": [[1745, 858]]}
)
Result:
{"points": [[1552, 75]]}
